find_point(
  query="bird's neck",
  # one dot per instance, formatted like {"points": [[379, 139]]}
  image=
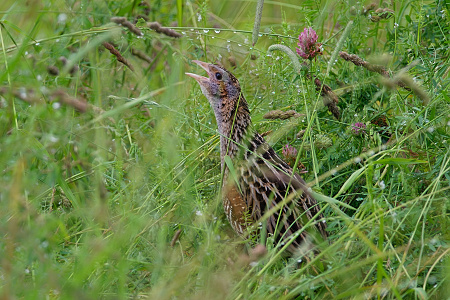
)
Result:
{"points": [[233, 120]]}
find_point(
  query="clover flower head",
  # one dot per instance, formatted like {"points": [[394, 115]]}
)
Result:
{"points": [[289, 152], [358, 128], [308, 46]]}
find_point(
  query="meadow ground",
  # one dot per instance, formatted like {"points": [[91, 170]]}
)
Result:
{"points": [[108, 151]]}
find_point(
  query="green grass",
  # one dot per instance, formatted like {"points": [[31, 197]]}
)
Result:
{"points": [[91, 198]]}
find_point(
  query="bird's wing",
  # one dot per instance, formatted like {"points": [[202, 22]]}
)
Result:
{"points": [[266, 181]]}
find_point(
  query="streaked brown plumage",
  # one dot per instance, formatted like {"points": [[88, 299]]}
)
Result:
{"points": [[261, 179]]}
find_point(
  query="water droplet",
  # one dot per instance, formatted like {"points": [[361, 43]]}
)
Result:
{"points": [[205, 30], [239, 45], [37, 44], [260, 34], [217, 31]]}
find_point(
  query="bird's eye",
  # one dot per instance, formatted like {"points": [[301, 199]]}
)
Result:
{"points": [[218, 76]]}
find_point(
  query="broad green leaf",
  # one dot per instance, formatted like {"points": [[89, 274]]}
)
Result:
{"points": [[399, 161], [327, 199], [350, 181], [233, 173]]}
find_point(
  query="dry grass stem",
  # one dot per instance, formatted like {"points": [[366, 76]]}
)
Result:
{"points": [[117, 54], [282, 115], [125, 23], [164, 30]]}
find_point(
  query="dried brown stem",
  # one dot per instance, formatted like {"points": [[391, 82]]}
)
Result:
{"points": [[140, 54], [164, 30], [117, 54], [63, 97], [125, 23], [356, 60], [282, 115], [175, 238], [329, 97]]}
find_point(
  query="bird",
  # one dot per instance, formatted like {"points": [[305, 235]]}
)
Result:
{"points": [[255, 178]]}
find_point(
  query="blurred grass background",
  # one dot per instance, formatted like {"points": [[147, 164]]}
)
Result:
{"points": [[103, 163]]}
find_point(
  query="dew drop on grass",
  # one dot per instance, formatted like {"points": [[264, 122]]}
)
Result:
{"points": [[205, 30], [217, 31]]}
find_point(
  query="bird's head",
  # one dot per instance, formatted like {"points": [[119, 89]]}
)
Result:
{"points": [[220, 87]]}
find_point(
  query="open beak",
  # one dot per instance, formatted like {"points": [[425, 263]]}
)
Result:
{"points": [[200, 79]]}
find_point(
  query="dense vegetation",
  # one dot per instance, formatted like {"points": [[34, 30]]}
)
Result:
{"points": [[109, 157]]}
